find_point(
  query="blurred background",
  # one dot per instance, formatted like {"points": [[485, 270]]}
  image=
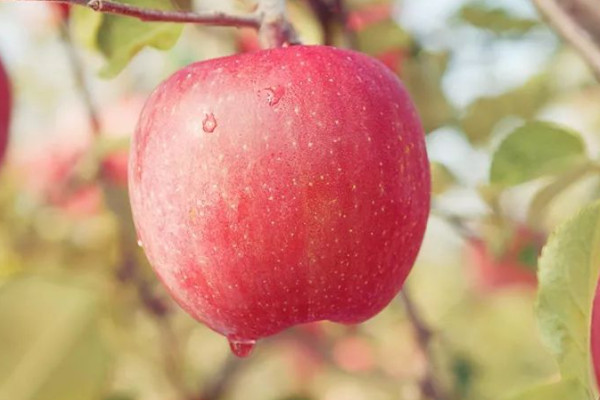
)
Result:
{"points": [[81, 313]]}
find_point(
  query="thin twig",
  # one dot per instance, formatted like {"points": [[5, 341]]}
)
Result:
{"points": [[215, 18], [572, 32], [80, 82], [431, 388]]}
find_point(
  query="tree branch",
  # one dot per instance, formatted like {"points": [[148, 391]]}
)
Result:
{"points": [[79, 76], [153, 15], [569, 28], [430, 386], [275, 30]]}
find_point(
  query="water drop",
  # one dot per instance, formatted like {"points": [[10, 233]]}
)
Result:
{"points": [[209, 124], [139, 243], [241, 348], [274, 94]]}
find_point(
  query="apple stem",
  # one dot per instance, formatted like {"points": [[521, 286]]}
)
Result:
{"points": [[275, 30], [215, 18], [578, 28], [430, 385]]}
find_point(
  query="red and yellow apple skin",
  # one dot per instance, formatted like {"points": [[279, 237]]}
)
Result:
{"points": [[280, 187], [491, 271], [5, 110]]}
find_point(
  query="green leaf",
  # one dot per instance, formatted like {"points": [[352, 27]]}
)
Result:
{"points": [[422, 75], [497, 20], [563, 390], [442, 178], [559, 183], [381, 37], [119, 38], [50, 343], [534, 150], [484, 113], [568, 272]]}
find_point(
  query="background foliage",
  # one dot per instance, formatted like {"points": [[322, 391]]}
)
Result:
{"points": [[513, 132]]}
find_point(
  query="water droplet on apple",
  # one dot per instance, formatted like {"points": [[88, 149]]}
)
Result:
{"points": [[209, 124], [241, 348], [274, 94]]}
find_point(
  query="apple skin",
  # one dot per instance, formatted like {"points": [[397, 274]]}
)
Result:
{"points": [[491, 271], [595, 334], [5, 109], [280, 187]]}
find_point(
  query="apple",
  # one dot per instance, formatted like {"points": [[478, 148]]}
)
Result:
{"points": [[280, 187], [595, 334], [5, 109], [513, 265]]}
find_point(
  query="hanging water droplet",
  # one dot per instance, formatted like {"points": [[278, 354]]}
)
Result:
{"points": [[209, 124], [274, 94], [139, 243], [241, 348]]}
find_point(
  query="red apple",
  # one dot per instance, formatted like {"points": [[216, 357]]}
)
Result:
{"points": [[280, 187], [515, 265], [5, 109], [595, 334]]}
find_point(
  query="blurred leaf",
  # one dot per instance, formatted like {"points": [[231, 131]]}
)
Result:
{"points": [[182, 4], [50, 343], [534, 150], [120, 397], [497, 20], [381, 37], [568, 272], [484, 113], [543, 198], [85, 24], [441, 178], [422, 75], [463, 372], [119, 38], [563, 390]]}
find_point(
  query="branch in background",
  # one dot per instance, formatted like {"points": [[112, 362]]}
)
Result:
{"points": [[325, 16], [157, 308], [342, 13], [328, 13], [459, 223], [572, 31], [431, 388], [79, 76], [152, 15], [216, 389], [587, 13]]}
